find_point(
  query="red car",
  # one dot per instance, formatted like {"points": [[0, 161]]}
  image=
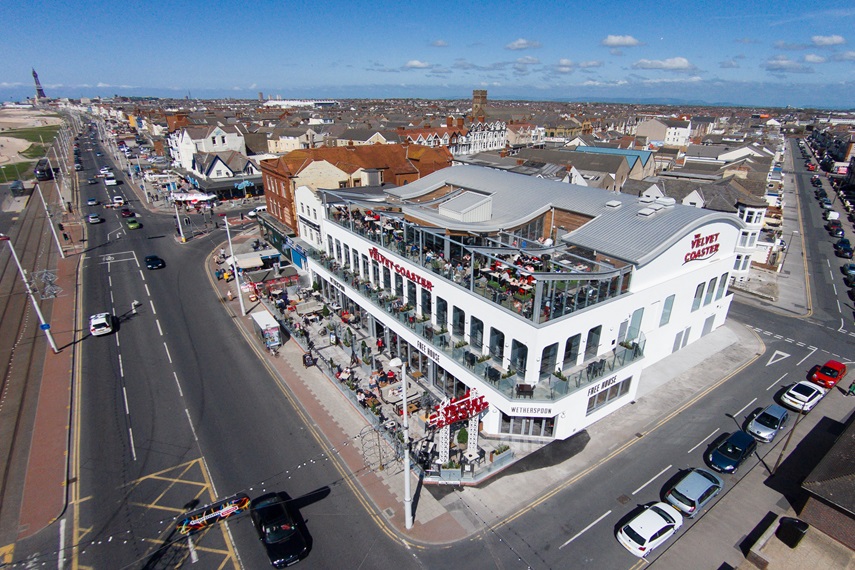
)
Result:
{"points": [[126, 213], [829, 374]]}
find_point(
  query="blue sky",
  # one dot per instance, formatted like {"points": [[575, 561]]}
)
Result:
{"points": [[778, 53]]}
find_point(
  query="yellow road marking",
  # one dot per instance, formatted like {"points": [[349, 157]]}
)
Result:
{"points": [[6, 553]]}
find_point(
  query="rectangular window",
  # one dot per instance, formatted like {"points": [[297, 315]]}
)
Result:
{"points": [[738, 263], [314, 213], [743, 239], [746, 261], [752, 239], [666, 311], [607, 396], [722, 285], [710, 291], [699, 293], [213, 140], [223, 139]]}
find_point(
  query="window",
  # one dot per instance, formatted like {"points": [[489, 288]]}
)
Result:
{"points": [[476, 333], [213, 140], [699, 292], [223, 139], [314, 213], [746, 261], [497, 343], [743, 239], [738, 263], [302, 208], [722, 285], [608, 395], [219, 172], [710, 291], [342, 184], [666, 311]]}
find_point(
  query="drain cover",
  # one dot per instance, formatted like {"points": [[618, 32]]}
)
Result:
{"points": [[623, 499]]}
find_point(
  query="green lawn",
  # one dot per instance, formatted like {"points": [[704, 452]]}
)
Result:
{"points": [[34, 135], [35, 150], [17, 171]]}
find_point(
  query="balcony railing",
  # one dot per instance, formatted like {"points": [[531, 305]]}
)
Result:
{"points": [[487, 368]]}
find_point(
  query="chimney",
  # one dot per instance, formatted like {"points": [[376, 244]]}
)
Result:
{"points": [[449, 122], [481, 119], [459, 122]]}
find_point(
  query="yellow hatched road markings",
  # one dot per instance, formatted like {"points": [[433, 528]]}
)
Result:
{"points": [[6, 553]]}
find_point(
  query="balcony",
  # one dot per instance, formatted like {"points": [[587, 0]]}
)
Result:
{"points": [[487, 368]]}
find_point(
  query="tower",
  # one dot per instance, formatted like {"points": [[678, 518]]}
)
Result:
{"points": [[40, 92], [479, 101]]}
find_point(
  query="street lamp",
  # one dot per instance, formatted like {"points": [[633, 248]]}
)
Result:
{"points": [[396, 363], [789, 245], [45, 327], [234, 264]]}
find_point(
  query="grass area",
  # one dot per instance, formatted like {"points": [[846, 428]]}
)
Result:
{"points": [[34, 134], [17, 171], [35, 150]]}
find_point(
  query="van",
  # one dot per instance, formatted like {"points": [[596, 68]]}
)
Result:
{"points": [[831, 215], [110, 181], [254, 212]]}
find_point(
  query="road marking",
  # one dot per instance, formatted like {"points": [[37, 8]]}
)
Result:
{"points": [[839, 310], [153, 310], [193, 429], [743, 409], [177, 383], [651, 480], [779, 337], [800, 344], [194, 556], [833, 286], [789, 340], [121, 368], [125, 396], [703, 440], [809, 354], [157, 321], [775, 383], [778, 356], [142, 275], [167, 353], [110, 280], [581, 532], [147, 292], [60, 558], [133, 450]]}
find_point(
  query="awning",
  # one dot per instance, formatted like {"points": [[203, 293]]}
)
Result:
{"points": [[249, 262]]}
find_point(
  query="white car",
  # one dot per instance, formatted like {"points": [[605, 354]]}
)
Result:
{"points": [[803, 396], [118, 201], [94, 219], [106, 170], [99, 324], [656, 524]]}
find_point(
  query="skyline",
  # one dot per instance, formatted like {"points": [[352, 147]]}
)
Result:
{"points": [[689, 52]]}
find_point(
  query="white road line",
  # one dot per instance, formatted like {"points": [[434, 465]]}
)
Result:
{"points": [[789, 340], [779, 337], [142, 275], [133, 450], [157, 321], [651, 480], [110, 280], [194, 556], [833, 286], [809, 354], [703, 440], [842, 324], [743, 409], [581, 532], [839, 310], [167, 353], [121, 368], [194, 429], [60, 560], [147, 292], [153, 310], [775, 383], [800, 344], [112, 300], [177, 383], [125, 396], [767, 333]]}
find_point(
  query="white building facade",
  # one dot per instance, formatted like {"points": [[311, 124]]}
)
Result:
{"points": [[550, 306]]}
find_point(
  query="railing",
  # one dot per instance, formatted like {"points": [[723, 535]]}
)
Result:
{"points": [[549, 388]]}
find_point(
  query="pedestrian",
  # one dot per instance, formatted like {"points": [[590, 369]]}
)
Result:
{"points": [[851, 391]]}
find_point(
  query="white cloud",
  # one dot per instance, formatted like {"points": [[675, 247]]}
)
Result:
{"points": [[439, 43], [620, 41], [522, 44], [616, 51], [783, 64], [834, 40], [729, 64], [416, 64], [786, 45], [566, 62], [670, 64], [594, 83], [845, 56], [592, 63], [693, 79], [813, 58], [528, 60]]}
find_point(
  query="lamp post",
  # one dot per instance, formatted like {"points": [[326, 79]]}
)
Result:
{"points": [[45, 327], [408, 506], [234, 264], [52, 227], [789, 245]]}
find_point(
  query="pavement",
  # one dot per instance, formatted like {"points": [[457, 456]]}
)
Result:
{"points": [[442, 517]]}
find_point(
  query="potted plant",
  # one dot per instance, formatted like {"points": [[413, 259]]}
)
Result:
{"points": [[460, 344], [462, 437]]}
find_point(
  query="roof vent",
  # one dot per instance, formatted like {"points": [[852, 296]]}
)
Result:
{"points": [[666, 201], [646, 212], [645, 199], [614, 204], [656, 207]]}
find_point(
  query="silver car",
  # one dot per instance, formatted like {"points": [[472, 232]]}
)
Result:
{"points": [[693, 491], [766, 425]]}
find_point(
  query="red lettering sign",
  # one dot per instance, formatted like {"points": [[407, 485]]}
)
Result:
{"points": [[375, 254], [703, 247]]}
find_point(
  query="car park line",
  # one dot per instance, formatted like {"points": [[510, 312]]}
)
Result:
{"points": [[584, 530], [651, 480], [743, 409], [775, 383], [700, 443]]}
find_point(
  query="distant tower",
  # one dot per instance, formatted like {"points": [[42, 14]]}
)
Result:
{"points": [[479, 101], [40, 92]]}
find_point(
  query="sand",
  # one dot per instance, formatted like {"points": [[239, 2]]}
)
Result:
{"points": [[10, 147]]}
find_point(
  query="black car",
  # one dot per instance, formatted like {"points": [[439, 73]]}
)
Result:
{"points": [[278, 530], [845, 251], [842, 242], [837, 232], [729, 455], [154, 262]]}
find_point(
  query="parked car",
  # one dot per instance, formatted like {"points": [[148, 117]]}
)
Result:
{"points": [[100, 324], [766, 425], [94, 219], [697, 488], [849, 281], [730, 453], [802, 396], [837, 232], [829, 374], [154, 262], [650, 528], [278, 530], [92, 202], [848, 269], [845, 251], [842, 242], [91, 181]]}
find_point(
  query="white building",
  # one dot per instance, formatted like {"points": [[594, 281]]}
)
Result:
{"points": [[186, 142], [548, 298]]}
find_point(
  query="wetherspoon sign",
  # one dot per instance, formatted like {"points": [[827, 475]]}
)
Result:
{"points": [[375, 254]]}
